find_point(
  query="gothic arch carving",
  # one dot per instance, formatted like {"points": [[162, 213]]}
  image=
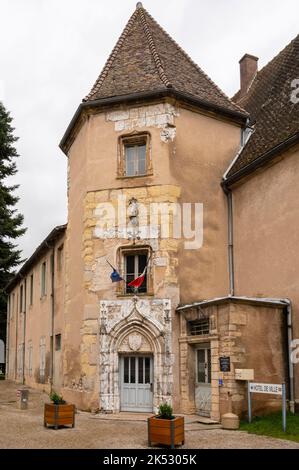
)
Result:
{"points": [[151, 320]]}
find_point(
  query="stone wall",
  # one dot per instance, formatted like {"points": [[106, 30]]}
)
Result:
{"points": [[253, 336], [135, 326]]}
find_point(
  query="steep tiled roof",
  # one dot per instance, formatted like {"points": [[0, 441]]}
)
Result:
{"points": [[146, 58], [273, 114]]}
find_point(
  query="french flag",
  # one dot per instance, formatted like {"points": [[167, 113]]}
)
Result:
{"points": [[139, 280]]}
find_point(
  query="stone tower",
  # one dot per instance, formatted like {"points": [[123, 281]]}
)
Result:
{"points": [[146, 147]]}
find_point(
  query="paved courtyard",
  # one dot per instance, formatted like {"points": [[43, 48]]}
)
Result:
{"points": [[24, 429]]}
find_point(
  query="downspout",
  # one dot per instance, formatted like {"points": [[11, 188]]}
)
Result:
{"points": [[290, 363], [24, 329], [229, 199], [17, 321], [52, 317], [7, 336]]}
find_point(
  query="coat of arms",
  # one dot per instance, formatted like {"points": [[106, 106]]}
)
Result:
{"points": [[135, 341]]}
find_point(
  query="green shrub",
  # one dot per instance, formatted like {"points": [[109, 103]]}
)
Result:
{"points": [[165, 411], [57, 399]]}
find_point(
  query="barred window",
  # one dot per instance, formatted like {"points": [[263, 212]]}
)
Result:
{"points": [[199, 327]]}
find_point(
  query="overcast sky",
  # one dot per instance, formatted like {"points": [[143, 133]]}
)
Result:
{"points": [[51, 52]]}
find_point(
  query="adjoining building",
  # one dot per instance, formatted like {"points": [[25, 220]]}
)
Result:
{"points": [[154, 140]]}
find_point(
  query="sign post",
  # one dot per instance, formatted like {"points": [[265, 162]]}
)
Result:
{"points": [[273, 389], [249, 402], [284, 408]]}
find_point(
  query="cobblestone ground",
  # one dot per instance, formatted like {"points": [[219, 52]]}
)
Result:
{"points": [[21, 429]]}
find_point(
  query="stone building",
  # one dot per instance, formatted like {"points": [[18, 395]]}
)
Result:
{"points": [[154, 140]]}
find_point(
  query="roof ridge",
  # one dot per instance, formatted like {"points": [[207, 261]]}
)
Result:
{"points": [[259, 74], [192, 61], [271, 111], [152, 47], [99, 81]]}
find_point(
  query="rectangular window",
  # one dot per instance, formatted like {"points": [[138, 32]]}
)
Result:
{"points": [[58, 342], [30, 356], [135, 156], [21, 298], [204, 365], [200, 327], [43, 279], [134, 267], [12, 306], [20, 365], [42, 359], [60, 257], [31, 290]]}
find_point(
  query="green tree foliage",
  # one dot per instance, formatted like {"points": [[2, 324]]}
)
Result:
{"points": [[11, 222]]}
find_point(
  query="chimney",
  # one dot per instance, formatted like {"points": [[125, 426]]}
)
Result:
{"points": [[248, 70]]}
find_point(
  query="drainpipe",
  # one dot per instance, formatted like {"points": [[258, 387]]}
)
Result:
{"points": [[229, 199], [24, 328], [16, 306], [7, 337], [52, 317], [290, 364]]}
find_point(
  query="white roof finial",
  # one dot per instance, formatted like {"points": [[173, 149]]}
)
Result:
{"points": [[139, 5]]}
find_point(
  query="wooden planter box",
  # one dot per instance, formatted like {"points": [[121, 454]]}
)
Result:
{"points": [[170, 432], [59, 415]]}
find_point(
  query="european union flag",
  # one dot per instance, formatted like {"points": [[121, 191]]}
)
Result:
{"points": [[115, 276]]}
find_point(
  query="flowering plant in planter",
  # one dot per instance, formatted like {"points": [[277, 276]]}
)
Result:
{"points": [[165, 428], [58, 413]]}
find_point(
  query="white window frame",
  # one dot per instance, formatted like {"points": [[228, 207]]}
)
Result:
{"points": [[30, 357], [204, 348], [42, 358]]}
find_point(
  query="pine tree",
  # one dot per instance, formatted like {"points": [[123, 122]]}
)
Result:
{"points": [[10, 220]]}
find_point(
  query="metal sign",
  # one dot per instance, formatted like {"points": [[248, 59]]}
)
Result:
{"points": [[274, 389], [244, 374], [224, 363]]}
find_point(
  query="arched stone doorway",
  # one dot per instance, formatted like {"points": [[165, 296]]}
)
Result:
{"points": [[135, 335]]}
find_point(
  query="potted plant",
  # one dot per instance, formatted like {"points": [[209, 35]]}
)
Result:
{"points": [[58, 413], [165, 428]]}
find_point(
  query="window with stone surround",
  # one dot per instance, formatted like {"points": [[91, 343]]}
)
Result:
{"points": [[132, 262], [134, 156], [199, 327]]}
